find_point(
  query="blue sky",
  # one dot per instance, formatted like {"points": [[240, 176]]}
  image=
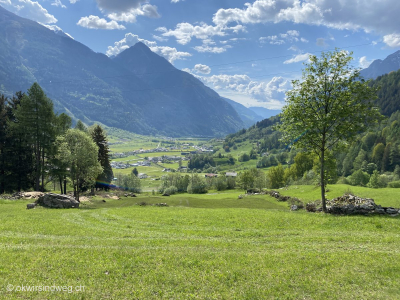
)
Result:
{"points": [[246, 51]]}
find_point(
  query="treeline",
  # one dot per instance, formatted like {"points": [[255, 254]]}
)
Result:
{"points": [[38, 146]]}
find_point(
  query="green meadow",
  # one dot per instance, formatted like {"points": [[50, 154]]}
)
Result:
{"points": [[211, 246]]}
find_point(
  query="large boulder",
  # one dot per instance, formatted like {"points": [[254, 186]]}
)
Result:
{"points": [[57, 201]]}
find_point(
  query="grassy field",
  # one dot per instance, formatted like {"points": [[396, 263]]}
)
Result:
{"points": [[212, 246]]}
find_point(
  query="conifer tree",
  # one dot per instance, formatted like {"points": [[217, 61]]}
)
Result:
{"points": [[100, 139]]}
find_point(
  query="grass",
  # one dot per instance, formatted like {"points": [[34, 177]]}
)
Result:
{"points": [[308, 193], [211, 246]]}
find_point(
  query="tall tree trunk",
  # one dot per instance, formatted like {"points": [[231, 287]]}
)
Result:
{"points": [[61, 184], [65, 185], [322, 160]]}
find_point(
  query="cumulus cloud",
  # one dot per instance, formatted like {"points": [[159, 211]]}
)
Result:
{"points": [[184, 32], [94, 22], [170, 54], [364, 63], [55, 28], [392, 40], [270, 94], [127, 10], [29, 9], [298, 58], [202, 69], [378, 16], [130, 16], [130, 39]]}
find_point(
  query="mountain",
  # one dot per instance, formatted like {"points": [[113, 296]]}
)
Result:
{"points": [[192, 103], [93, 87], [248, 116], [380, 67], [265, 113], [388, 92]]}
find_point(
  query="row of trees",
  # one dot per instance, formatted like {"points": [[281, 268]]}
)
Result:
{"points": [[38, 146]]}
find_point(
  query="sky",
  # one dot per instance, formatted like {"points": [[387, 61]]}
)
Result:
{"points": [[246, 51]]}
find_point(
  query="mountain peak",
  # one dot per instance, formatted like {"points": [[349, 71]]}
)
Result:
{"points": [[144, 60]]}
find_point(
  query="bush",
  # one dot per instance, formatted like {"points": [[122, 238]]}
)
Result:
{"points": [[394, 184], [359, 178], [197, 185], [171, 190]]}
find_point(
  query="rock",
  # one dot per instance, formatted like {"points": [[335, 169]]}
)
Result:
{"points": [[32, 195], [30, 205], [57, 201], [391, 211], [166, 195], [294, 208]]}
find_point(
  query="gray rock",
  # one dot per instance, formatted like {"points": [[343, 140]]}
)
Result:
{"points": [[30, 205], [379, 211], [294, 208], [391, 211], [57, 201]]}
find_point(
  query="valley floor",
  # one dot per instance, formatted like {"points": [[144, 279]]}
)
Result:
{"points": [[213, 246]]}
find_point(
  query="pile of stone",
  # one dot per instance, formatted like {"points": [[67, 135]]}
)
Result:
{"points": [[23, 195], [161, 204], [352, 205], [278, 196], [56, 201]]}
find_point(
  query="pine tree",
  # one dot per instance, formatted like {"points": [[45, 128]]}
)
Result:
{"points": [[35, 118], [100, 138]]}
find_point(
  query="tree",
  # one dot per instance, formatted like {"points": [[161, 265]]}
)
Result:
{"points": [[135, 172], [80, 154], [327, 108], [100, 138], [35, 119], [276, 176]]}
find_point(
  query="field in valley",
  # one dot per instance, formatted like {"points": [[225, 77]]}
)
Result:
{"points": [[212, 246]]}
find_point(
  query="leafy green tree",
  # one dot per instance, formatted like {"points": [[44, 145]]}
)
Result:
{"points": [[196, 185], [374, 181], [246, 179], [276, 176], [135, 172], [303, 163], [328, 107], [99, 137], [359, 178], [78, 151]]}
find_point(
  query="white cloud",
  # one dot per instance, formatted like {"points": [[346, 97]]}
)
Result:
{"points": [[364, 63], [184, 32], [29, 9], [298, 58], [205, 48], [119, 6], [130, 39], [290, 36], [378, 16], [176, 1], [159, 38], [147, 10], [58, 3], [392, 40], [55, 28], [269, 94], [170, 54], [202, 69], [94, 22]]}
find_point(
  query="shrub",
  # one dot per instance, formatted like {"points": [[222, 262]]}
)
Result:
{"points": [[171, 190], [359, 178], [394, 184]]}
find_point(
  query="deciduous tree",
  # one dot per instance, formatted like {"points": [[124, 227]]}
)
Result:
{"points": [[328, 107]]}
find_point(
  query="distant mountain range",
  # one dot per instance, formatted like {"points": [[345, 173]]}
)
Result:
{"points": [[137, 90], [380, 67]]}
